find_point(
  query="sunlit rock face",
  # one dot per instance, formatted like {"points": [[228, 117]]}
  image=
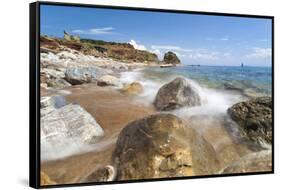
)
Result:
{"points": [[176, 94], [160, 146], [66, 129]]}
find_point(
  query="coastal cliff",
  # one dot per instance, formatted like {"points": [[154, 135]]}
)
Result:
{"points": [[124, 52]]}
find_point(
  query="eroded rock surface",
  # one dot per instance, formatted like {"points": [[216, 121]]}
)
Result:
{"points": [[66, 129], [162, 145], [254, 118], [176, 94]]}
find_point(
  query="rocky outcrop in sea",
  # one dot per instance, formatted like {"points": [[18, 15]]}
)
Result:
{"points": [[171, 58], [254, 118], [176, 94]]}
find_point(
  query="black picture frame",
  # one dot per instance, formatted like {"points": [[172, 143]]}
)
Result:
{"points": [[34, 91]]}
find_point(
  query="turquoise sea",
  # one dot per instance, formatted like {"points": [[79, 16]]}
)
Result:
{"points": [[257, 79]]}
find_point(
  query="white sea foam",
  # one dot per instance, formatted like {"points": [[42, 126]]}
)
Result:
{"points": [[150, 87], [71, 147], [214, 101]]}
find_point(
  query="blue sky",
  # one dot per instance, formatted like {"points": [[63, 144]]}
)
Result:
{"points": [[196, 39]]}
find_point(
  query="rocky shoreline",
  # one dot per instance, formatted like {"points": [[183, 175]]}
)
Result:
{"points": [[84, 103]]}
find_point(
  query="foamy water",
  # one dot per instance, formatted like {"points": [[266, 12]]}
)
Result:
{"points": [[214, 101]]}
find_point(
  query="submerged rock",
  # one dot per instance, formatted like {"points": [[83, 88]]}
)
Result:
{"points": [[106, 173], [254, 162], [134, 88], [176, 94], [160, 146], [171, 58], [67, 126], [254, 118], [79, 75]]}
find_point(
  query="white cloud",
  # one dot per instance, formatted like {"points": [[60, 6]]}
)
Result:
{"points": [[95, 31], [260, 53], [137, 46]]}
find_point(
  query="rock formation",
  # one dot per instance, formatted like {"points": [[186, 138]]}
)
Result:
{"points": [[117, 51], [171, 58], [176, 94], [66, 129], [79, 75], [254, 118], [160, 146], [109, 80]]}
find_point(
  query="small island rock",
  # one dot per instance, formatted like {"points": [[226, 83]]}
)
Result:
{"points": [[171, 58]]}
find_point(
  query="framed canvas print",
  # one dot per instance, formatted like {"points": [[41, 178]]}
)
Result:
{"points": [[121, 94]]}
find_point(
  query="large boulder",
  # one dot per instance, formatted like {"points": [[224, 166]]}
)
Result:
{"points": [[254, 162], [79, 75], [161, 146], [134, 88], [254, 118], [67, 128], [176, 94], [171, 58]]}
